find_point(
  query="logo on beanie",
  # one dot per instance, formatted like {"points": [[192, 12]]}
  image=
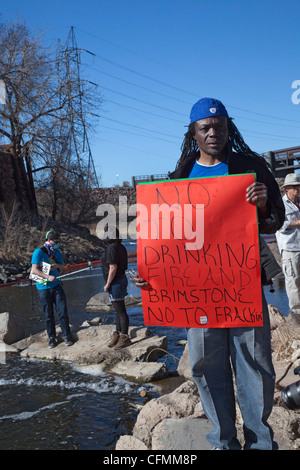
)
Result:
{"points": [[213, 110]]}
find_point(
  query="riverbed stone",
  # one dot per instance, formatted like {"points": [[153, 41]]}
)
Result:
{"points": [[10, 330], [181, 434], [181, 403], [90, 347], [130, 443], [101, 303], [170, 421], [184, 365], [141, 371]]}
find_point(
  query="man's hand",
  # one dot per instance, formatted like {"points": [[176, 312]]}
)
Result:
{"points": [[140, 282], [257, 193]]}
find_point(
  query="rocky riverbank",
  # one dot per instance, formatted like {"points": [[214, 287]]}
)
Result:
{"points": [[137, 362], [175, 420]]}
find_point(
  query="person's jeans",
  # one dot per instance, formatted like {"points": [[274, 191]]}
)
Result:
{"points": [[55, 296], [291, 271], [212, 351], [118, 289]]}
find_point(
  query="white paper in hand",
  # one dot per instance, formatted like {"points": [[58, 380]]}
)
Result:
{"points": [[45, 267]]}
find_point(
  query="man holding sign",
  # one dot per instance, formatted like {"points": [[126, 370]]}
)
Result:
{"points": [[216, 347]]}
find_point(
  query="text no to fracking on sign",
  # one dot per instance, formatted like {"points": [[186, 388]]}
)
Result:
{"points": [[198, 249]]}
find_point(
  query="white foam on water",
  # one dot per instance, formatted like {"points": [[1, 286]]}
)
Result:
{"points": [[29, 414], [105, 384], [92, 369]]}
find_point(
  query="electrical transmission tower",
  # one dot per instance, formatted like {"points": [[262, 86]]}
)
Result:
{"points": [[77, 94]]}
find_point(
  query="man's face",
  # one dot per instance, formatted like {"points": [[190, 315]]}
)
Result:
{"points": [[292, 192], [211, 135]]}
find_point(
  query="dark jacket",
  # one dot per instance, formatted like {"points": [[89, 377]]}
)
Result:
{"points": [[239, 164]]}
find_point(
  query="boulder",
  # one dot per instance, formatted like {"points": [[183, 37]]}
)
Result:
{"points": [[176, 421], [181, 434], [181, 403], [184, 365], [100, 302], [90, 347], [10, 330], [140, 371], [130, 443], [276, 318], [286, 426]]}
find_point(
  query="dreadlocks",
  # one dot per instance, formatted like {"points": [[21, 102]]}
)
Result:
{"points": [[189, 147]]}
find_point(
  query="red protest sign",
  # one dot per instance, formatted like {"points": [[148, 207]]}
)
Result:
{"points": [[197, 247]]}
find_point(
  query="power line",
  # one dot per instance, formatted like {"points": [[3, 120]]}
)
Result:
{"points": [[138, 86], [265, 135], [172, 67], [183, 101], [185, 91], [259, 134], [243, 130], [139, 127], [139, 134], [143, 101], [143, 111], [142, 151]]}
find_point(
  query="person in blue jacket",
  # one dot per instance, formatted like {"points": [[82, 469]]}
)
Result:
{"points": [[47, 262]]}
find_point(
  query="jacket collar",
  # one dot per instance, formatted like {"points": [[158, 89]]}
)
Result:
{"points": [[184, 170]]}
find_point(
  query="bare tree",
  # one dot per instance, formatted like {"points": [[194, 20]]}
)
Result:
{"points": [[44, 98]]}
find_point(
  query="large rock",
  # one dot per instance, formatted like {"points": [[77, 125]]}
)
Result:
{"points": [[276, 318], [10, 330], [176, 421], [141, 371], [169, 422], [90, 347], [184, 365], [179, 404], [130, 443], [286, 426], [181, 434], [101, 303]]}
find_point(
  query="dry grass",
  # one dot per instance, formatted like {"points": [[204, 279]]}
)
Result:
{"points": [[283, 335], [283, 339], [19, 235], [10, 232]]}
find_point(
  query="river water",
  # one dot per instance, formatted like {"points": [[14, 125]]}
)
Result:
{"points": [[47, 405]]}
